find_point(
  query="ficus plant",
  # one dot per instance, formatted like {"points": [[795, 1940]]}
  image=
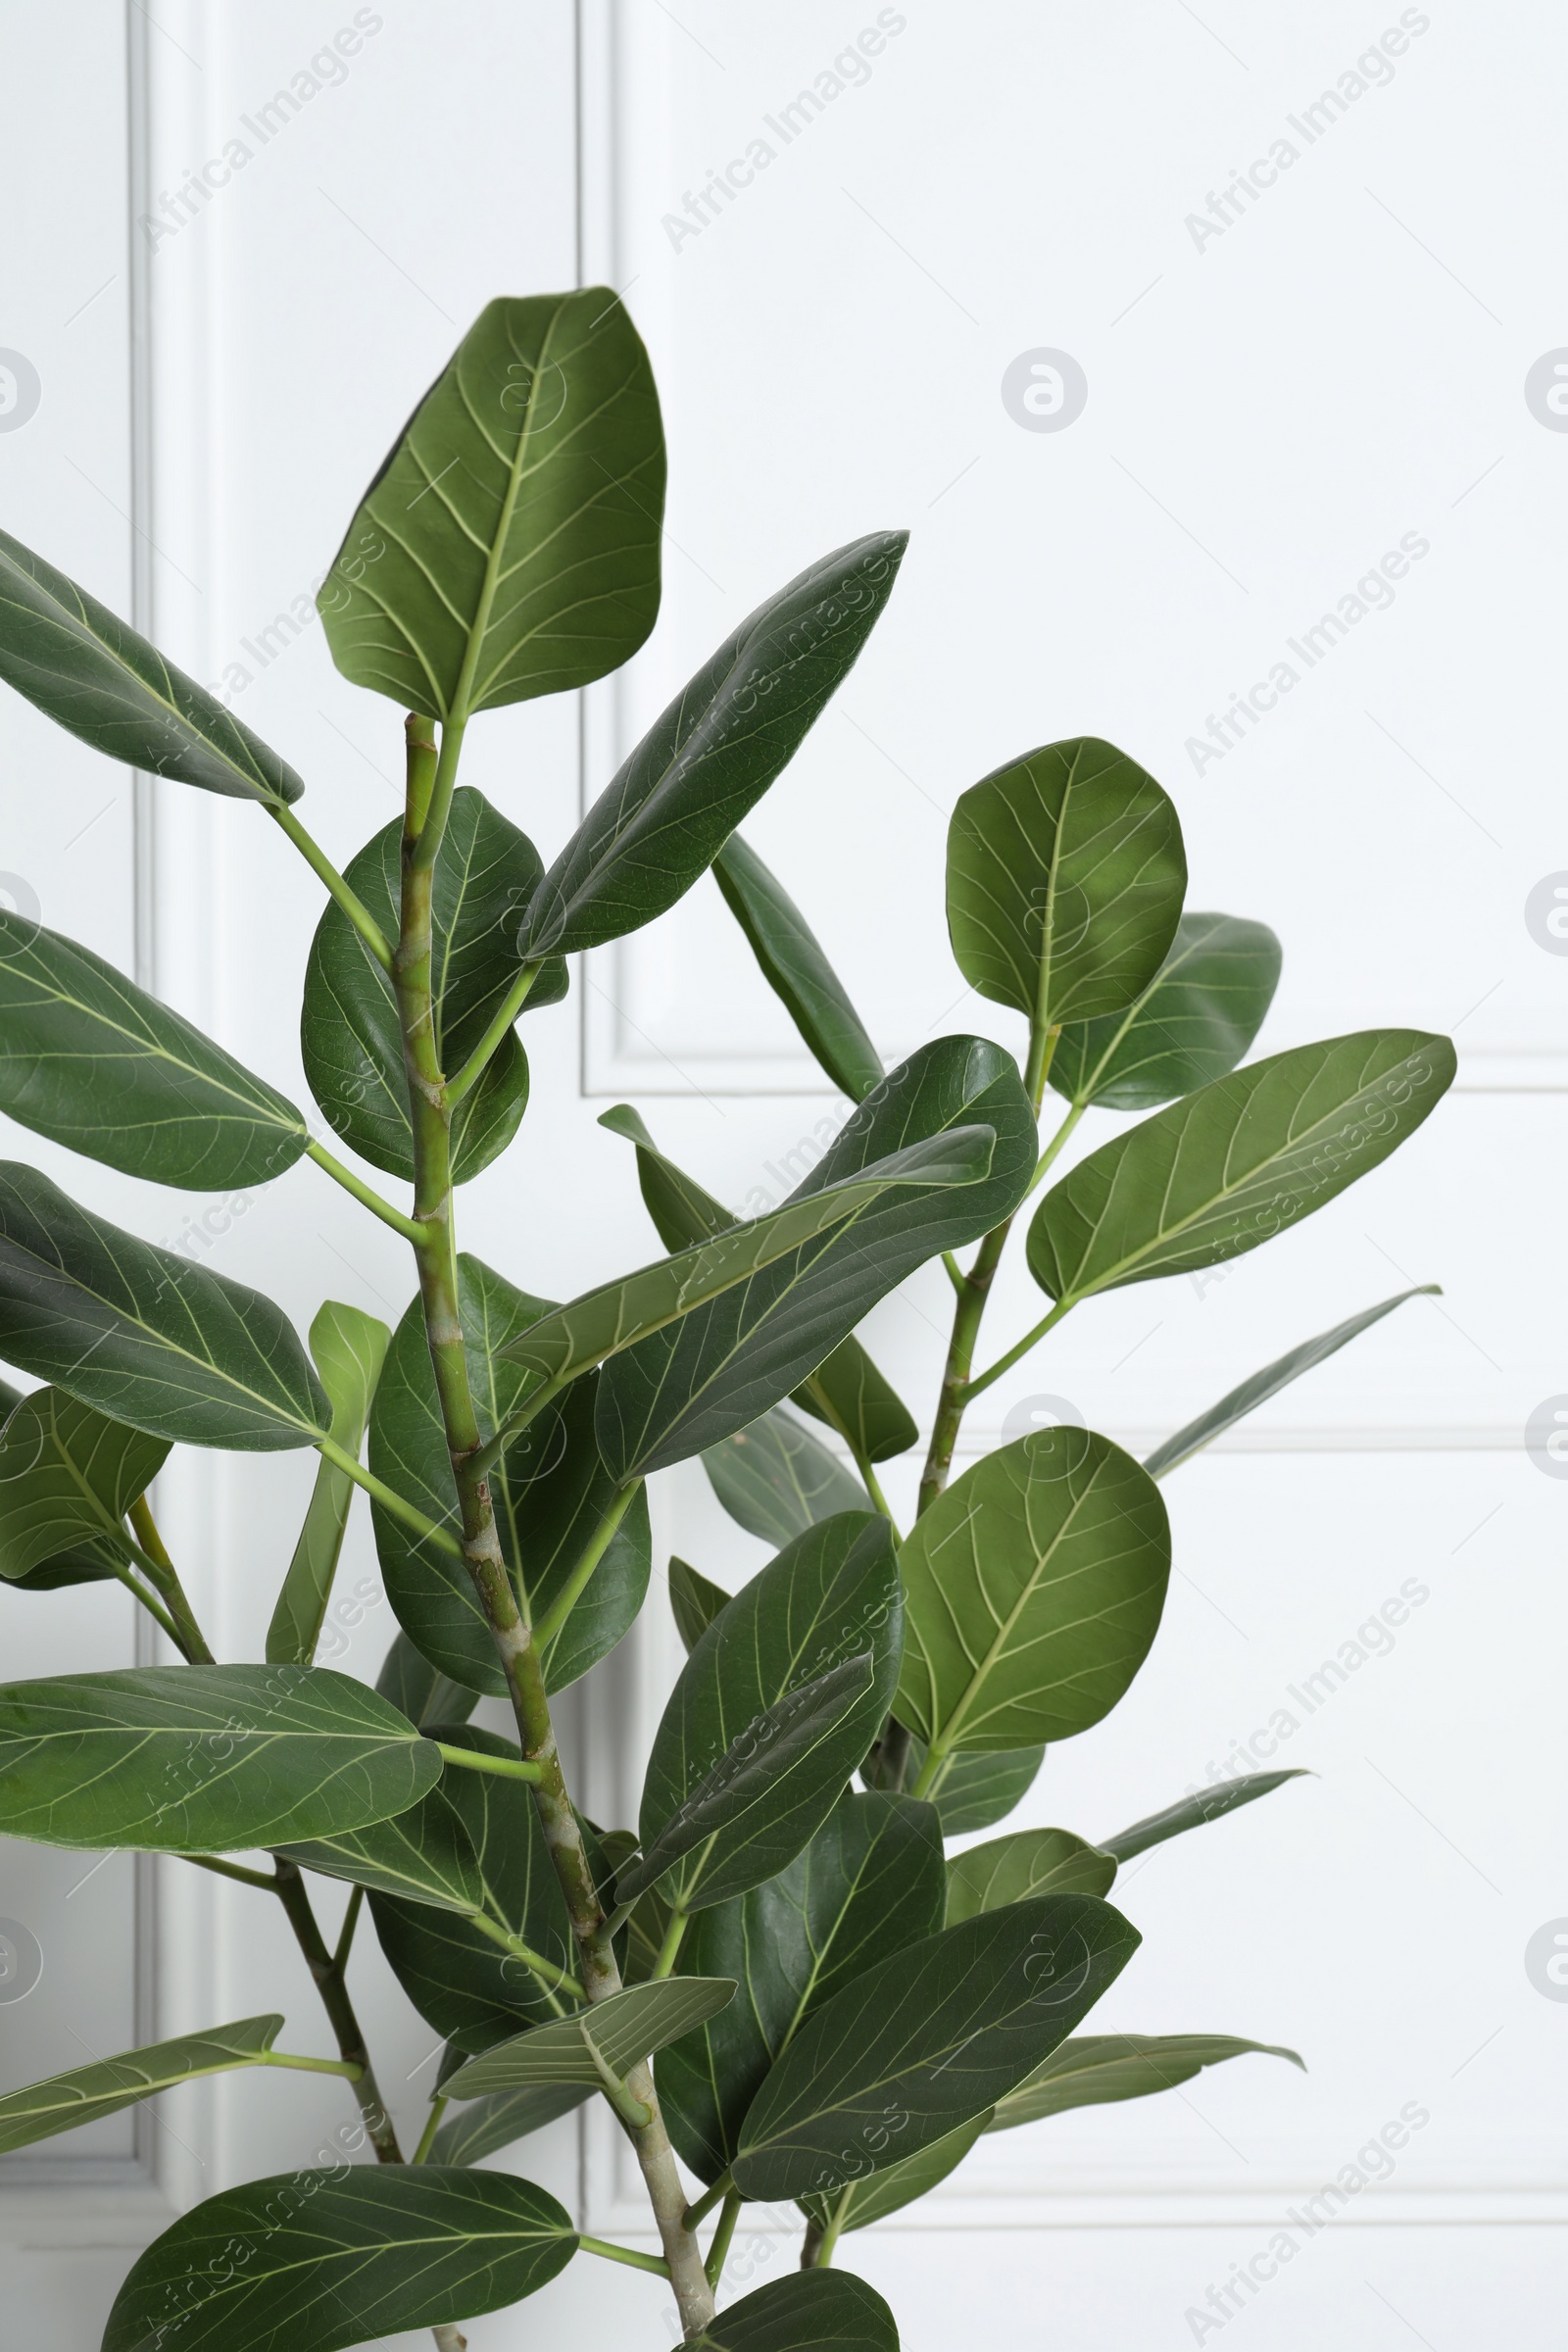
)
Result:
{"points": [[778, 1978]]}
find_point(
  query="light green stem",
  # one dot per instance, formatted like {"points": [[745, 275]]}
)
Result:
{"points": [[626, 2254], [438, 2107], [348, 2068], [571, 1591], [511, 1005], [345, 1935], [442, 1537], [553, 1978], [365, 923], [718, 2251], [699, 2210], [231, 1870], [670, 1949], [833, 2231], [508, 1767], [973, 1388], [365, 1193]]}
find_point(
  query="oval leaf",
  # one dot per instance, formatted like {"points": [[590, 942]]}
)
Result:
{"points": [[813, 2311], [508, 545], [472, 2132], [1097, 2068], [349, 1348], [1236, 1163], [89, 2092], [67, 1476], [1009, 1870], [777, 1479], [968, 1788], [797, 970], [1193, 1021], [425, 1854], [862, 2202], [617, 2033]]}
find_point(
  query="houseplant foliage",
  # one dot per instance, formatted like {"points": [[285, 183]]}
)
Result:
{"points": [[778, 1974]]}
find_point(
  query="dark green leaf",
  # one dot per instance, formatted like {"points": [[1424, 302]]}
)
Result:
{"points": [[349, 1348], [508, 545], [203, 1759], [67, 1477], [89, 1060], [1193, 1021], [897, 2184], [830, 1597], [1065, 878], [617, 2033], [870, 1880], [714, 1371], [317, 2260], [550, 1489], [1239, 1402], [417, 1691], [969, 1790], [694, 1603], [141, 1333], [812, 2311], [777, 1479], [1033, 1587], [1029, 1862], [425, 1854], [1192, 1812], [926, 2039], [797, 970], [94, 675], [88, 2092], [1098, 2068], [1236, 1163], [472, 2132], [667, 812], [350, 1039]]}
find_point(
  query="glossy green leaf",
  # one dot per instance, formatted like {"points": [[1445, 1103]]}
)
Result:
{"points": [[350, 1038], [91, 1060], [795, 967], [807, 2311], [349, 1348], [870, 1881], [1193, 1023], [845, 1389], [708, 758], [1033, 1587], [319, 2259], [694, 1600], [831, 1597], [1028, 1862], [1097, 2068], [508, 545], [710, 1373], [203, 1759], [1238, 1402], [67, 1477], [1066, 879], [1236, 1163], [969, 1790], [86, 2093], [425, 1854], [141, 1333], [766, 1794], [550, 1490], [616, 2033], [418, 1690], [93, 675], [926, 2039], [777, 1479], [897, 2184], [1193, 1812], [481, 2127]]}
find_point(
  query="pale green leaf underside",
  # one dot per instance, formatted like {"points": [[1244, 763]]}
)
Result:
{"points": [[87, 2092], [1098, 2068], [68, 1475], [614, 2035]]}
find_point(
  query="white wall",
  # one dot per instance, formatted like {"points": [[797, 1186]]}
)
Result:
{"points": [[1269, 410]]}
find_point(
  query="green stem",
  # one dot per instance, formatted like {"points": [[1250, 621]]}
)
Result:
{"points": [[441, 1536], [718, 2251], [668, 1950], [1005, 1363], [231, 1870], [699, 2212], [329, 1984], [365, 1193], [162, 1573], [511, 1005], [365, 923], [598, 1543], [149, 1601], [553, 1978], [613, 2253], [425, 832], [831, 2234], [438, 2107], [1047, 1156], [468, 1759], [345, 1935], [348, 2068]]}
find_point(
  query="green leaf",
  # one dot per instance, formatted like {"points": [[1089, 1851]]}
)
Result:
{"points": [[898, 2185], [89, 2092], [462, 1983], [93, 675], [694, 1600], [350, 1036], [1238, 1402], [926, 2039], [870, 1880], [845, 1389], [141, 1333], [1066, 879], [203, 1759], [318, 2260], [710, 757], [809, 2311], [1029, 1862], [1193, 1812], [550, 1490], [1193, 1023], [67, 1476], [417, 1691], [1236, 1163], [684, 1388], [616, 2033], [795, 967], [91, 1060], [828, 1599], [426, 1854], [764, 1797], [349, 1348], [509, 543], [969, 1790], [777, 1479], [1098, 2068], [1033, 1589], [472, 2132]]}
